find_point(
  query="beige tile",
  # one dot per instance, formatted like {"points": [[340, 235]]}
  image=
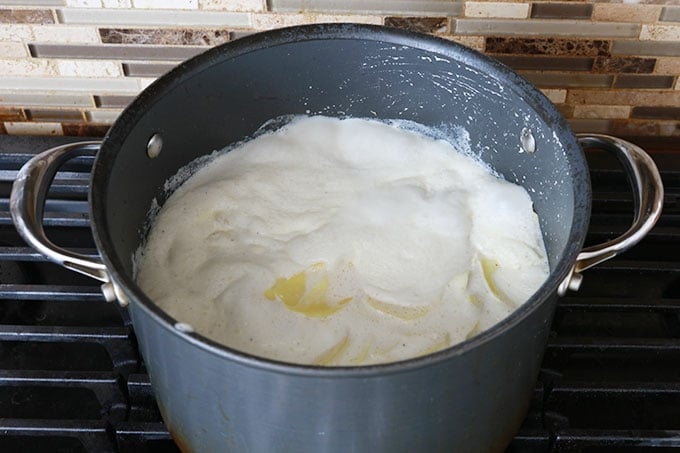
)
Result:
{"points": [[556, 96], [117, 3], [233, 5], [403, 7], [65, 34], [84, 3], [32, 2], [144, 82], [667, 65], [607, 12], [602, 111], [31, 128], [677, 84], [592, 126], [33, 67], [62, 85], [497, 10], [40, 98], [13, 50], [15, 32], [89, 68], [537, 27], [271, 21], [165, 4], [660, 32], [149, 18]]}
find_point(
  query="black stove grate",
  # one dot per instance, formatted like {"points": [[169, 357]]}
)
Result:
{"points": [[71, 378]]}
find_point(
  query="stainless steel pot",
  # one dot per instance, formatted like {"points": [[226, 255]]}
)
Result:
{"points": [[470, 397]]}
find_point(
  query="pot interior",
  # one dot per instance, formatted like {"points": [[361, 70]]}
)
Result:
{"points": [[226, 94]]}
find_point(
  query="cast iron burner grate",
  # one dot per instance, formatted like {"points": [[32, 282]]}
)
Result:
{"points": [[71, 379]]}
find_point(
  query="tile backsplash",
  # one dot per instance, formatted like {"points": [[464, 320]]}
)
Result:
{"points": [[70, 66]]}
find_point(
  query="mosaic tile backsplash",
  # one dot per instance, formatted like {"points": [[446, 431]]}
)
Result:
{"points": [[69, 67]]}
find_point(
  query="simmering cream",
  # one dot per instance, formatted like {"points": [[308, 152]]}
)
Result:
{"points": [[343, 242]]}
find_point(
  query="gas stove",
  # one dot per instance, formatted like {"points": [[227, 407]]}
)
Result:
{"points": [[72, 380]]}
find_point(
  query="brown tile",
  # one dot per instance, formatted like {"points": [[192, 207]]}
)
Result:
{"points": [[26, 16], [85, 130], [548, 46], [617, 12], [644, 81], [3, 131], [112, 101], [568, 80], [12, 114], [165, 36], [114, 52], [565, 110], [547, 63], [657, 113], [146, 69], [592, 126], [632, 65], [419, 24], [624, 97], [561, 10], [54, 115], [645, 128]]}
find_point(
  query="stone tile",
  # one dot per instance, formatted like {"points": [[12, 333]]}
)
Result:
{"points": [[667, 66], [42, 99], [89, 68], [149, 18], [419, 7], [616, 12], [32, 67], [113, 101], [497, 10], [239, 34], [419, 24], [12, 114], [646, 48], [549, 28], [15, 33], [115, 52], [54, 115], [548, 46], [542, 63], [565, 110], [644, 81], [26, 16], [561, 10], [13, 50], [65, 34], [624, 97], [3, 131], [33, 128], [164, 36], [658, 113], [117, 3], [624, 65], [146, 69], [473, 42], [602, 111], [670, 14], [568, 80], [85, 3], [85, 130], [660, 33], [645, 128], [166, 4], [233, 5], [556, 96]]}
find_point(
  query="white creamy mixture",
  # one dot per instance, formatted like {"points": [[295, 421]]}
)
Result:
{"points": [[343, 242]]}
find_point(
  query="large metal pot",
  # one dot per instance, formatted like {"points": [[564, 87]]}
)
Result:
{"points": [[470, 397]]}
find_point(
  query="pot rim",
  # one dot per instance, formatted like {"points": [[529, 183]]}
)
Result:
{"points": [[117, 134]]}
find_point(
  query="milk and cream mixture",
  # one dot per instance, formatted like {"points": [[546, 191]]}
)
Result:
{"points": [[343, 242]]}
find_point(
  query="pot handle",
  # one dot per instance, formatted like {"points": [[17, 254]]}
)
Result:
{"points": [[647, 197], [27, 204]]}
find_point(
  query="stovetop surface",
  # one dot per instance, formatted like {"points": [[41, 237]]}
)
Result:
{"points": [[71, 378]]}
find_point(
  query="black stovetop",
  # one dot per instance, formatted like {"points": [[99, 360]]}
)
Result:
{"points": [[71, 378]]}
